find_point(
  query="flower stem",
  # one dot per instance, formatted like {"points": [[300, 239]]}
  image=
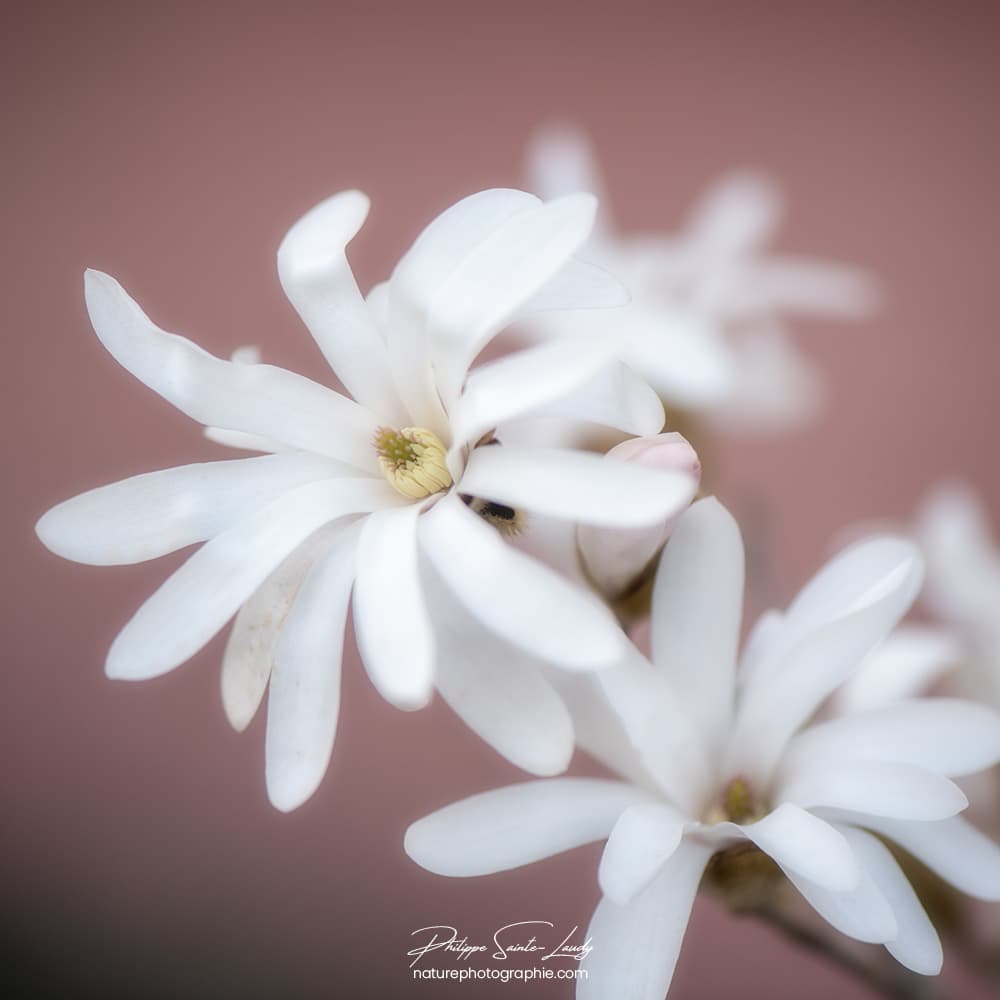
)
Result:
{"points": [[896, 982]]}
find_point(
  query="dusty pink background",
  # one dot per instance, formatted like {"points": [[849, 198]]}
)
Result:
{"points": [[173, 146]]}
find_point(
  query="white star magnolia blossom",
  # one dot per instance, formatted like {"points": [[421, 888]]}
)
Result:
{"points": [[704, 325], [370, 494], [716, 758]]}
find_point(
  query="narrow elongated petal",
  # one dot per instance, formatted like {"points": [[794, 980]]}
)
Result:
{"points": [[910, 660], [696, 614], [256, 399], [497, 690], [577, 285], [952, 848], [916, 944], [200, 597], [785, 692], [863, 913], [319, 283], [943, 735], [635, 946], [498, 277], [249, 653], [304, 695], [896, 790], [577, 485], [737, 214], [805, 286], [505, 389], [514, 826], [807, 845], [642, 840], [390, 616], [159, 512], [615, 397], [515, 596]]}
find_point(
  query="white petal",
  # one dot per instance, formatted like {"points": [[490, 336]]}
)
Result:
{"points": [[318, 281], [862, 913], [304, 696], [249, 653], [577, 285], [696, 613], [242, 440], [940, 734], [505, 389], [910, 660], [916, 944], [498, 277], [497, 690], [509, 827], [737, 214], [576, 485], [515, 596], [159, 512], [952, 848], [615, 397], [390, 615], [416, 284], [200, 597], [837, 620], [635, 947], [807, 845], [804, 286], [256, 399], [875, 787], [641, 841]]}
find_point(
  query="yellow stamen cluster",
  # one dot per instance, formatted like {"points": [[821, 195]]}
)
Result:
{"points": [[413, 460], [737, 804]]}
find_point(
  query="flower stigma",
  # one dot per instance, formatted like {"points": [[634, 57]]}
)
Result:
{"points": [[737, 804], [413, 461]]}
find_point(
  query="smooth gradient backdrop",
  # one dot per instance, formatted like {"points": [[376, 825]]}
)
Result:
{"points": [[172, 145]]}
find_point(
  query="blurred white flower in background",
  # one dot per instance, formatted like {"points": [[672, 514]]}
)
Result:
{"points": [[706, 325], [377, 494], [723, 769]]}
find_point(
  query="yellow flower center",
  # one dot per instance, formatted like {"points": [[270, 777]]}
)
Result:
{"points": [[737, 804], [413, 460]]}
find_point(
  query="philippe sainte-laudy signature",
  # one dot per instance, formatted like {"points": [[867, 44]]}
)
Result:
{"points": [[525, 937]]}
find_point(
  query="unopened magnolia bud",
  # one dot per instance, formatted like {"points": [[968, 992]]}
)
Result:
{"points": [[618, 561]]}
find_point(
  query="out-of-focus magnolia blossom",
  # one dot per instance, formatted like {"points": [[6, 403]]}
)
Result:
{"points": [[706, 323], [393, 495], [721, 766]]}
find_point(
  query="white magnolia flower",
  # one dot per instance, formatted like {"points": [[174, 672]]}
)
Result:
{"points": [[373, 494], [704, 327], [719, 761]]}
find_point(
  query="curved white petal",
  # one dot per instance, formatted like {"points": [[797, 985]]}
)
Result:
{"points": [[798, 285], [242, 440], [807, 845], [615, 397], [515, 596], [577, 285], [319, 283], [877, 788], [642, 840], [500, 692], [390, 615], [304, 695], [155, 513], [256, 399], [510, 387], [200, 597], [906, 664], [509, 827], [498, 277], [635, 947], [249, 653], [576, 485], [916, 944], [696, 613], [823, 640], [863, 913], [943, 735], [952, 848]]}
